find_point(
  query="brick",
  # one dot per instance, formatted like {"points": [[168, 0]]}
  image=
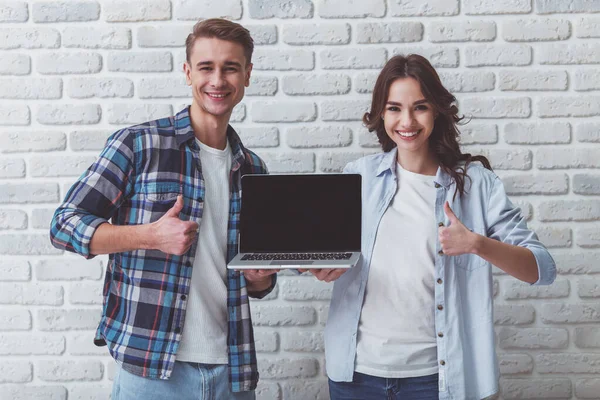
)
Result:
{"points": [[16, 372], [554, 237], [41, 217], [515, 364], [464, 31], [28, 392], [156, 88], [366, 139], [535, 388], [90, 392], [589, 288], [17, 142], [552, 183], [305, 289], [136, 10], [266, 341], [59, 166], [316, 84], [29, 38], [267, 315], [494, 7], [267, 390], [259, 136], [67, 114], [88, 140], [335, 162], [438, 56], [14, 270], [364, 82], [587, 388], [501, 55], [31, 294], [537, 133], [496, 107], [420, 8], [303, 342], [317, 34], [14, 193], [69, 63], [567, 158], [588, 237], [505, 314], [195, 10], [84, 88], [163, 36], [533, 338], [283, 60], [96, 38], [526, 209], [263, 34], [351, 8], [238, 114], [568, 106], [298, 389], [323, 312], [67, 320], [565, 54], [26, 344], [519, 159], [283, 111], [65, 11], [15, 64], [82, 344], [355, 58], [289, 162], [512, 80], [344, 110], [319, 136], [85, 293], [15, 320], [140, 62], [468, 81], [478, 133], [137, 113], [567, 363], [262, 86], [562, 313], [569, 210], [30, 89], [12, 219], [587, 27], [68, 371], [32, 244], [13, 11], [394, 32], [520, 290], [580, 263], [587, 337], [588, 132], [567, 6], [68, 270], [14, 115], [586, 184], [263, 9], [586, 79], [288, 368], [534, 30], [12, 168]]}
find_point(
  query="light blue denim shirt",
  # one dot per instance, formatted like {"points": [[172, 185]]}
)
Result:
{"points": [[464, 321]]}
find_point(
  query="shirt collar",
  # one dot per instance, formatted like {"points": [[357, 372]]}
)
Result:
{"points": [[388, 163]]}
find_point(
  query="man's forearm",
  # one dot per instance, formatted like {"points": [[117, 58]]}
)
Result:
{"points": [[110, 238]]}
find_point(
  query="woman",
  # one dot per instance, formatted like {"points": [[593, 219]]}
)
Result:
{"points": [[413, 320]]}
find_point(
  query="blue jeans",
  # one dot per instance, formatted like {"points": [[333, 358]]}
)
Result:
{"points": [[366, 387], [189, 381]]}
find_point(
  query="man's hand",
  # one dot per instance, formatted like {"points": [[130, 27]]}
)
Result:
{"points": [[172, 235], [325, 274], [455, 239], [258, 279]]}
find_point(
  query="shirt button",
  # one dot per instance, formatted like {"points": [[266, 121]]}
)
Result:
{"points": [[440, 334], [442, 362], [439, 281], [440, 307], [183, 297], [437, 186], [177, 330], [441, 252], [440, 224]]}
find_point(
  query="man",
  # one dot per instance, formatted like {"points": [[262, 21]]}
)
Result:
{"points": [[175, 320]]}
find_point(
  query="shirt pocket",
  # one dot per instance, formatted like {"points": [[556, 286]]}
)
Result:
{"points": [[469, 262], [161, 192]]}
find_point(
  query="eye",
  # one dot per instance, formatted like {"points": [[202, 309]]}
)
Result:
{"points": [[205, 69], [421, 107], [393, 108]]}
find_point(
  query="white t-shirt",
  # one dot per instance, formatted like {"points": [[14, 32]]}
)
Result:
{"points": [[396, 332], [204, 336]]}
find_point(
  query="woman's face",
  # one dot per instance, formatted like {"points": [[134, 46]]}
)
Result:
{"points": [[408, 117]]}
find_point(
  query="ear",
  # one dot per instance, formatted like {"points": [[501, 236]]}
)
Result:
{"points": [[187, 69], [248, 72]]}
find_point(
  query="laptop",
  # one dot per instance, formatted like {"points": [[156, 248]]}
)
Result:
{"points": [[299, 221]]}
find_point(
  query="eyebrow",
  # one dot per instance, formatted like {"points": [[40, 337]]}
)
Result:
{"points": [[228, 63], [416, 103]]}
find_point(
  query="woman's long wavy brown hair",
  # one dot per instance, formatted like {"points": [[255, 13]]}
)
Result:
{"points": [[444, 137]]}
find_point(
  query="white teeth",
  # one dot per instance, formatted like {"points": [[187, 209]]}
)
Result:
{"points": [[218, 96], [407, 134]]}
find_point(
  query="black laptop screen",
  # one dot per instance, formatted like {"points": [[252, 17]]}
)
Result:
{"points": [[300, 213]]}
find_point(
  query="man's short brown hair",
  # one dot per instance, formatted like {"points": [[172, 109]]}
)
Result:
{"points": [[220, 29]]}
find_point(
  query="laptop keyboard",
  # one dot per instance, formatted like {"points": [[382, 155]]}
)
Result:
{"points": [[296, 256]]}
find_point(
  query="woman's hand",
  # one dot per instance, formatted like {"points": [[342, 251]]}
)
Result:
{"points": [[456, 239]]}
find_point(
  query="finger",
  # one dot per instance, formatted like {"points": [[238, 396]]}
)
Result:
{"points": [[192, 227], [177, 207], [302, 270], [450, 214]]}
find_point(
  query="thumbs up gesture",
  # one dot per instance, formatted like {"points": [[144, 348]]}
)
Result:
{"points": [[171, 234], [455, 239]]}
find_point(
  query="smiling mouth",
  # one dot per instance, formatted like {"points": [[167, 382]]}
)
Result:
{"points": [[408, 134], [217, 95]]}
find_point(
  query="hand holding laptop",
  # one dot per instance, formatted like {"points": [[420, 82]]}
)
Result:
{"points": [[326, 275]]}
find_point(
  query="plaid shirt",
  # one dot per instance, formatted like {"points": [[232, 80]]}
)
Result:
{"points": [[135, 180]]}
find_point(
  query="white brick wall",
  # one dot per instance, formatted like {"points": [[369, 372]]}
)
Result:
{"points": [[525, 73]]}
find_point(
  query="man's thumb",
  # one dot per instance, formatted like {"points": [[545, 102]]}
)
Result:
{"points": [[176, 209]]}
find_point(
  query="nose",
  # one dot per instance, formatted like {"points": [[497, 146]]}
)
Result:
{"points": [[217, 79], [406, 119]]}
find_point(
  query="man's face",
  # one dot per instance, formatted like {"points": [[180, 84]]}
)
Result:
{"points": [[218, 73]]}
